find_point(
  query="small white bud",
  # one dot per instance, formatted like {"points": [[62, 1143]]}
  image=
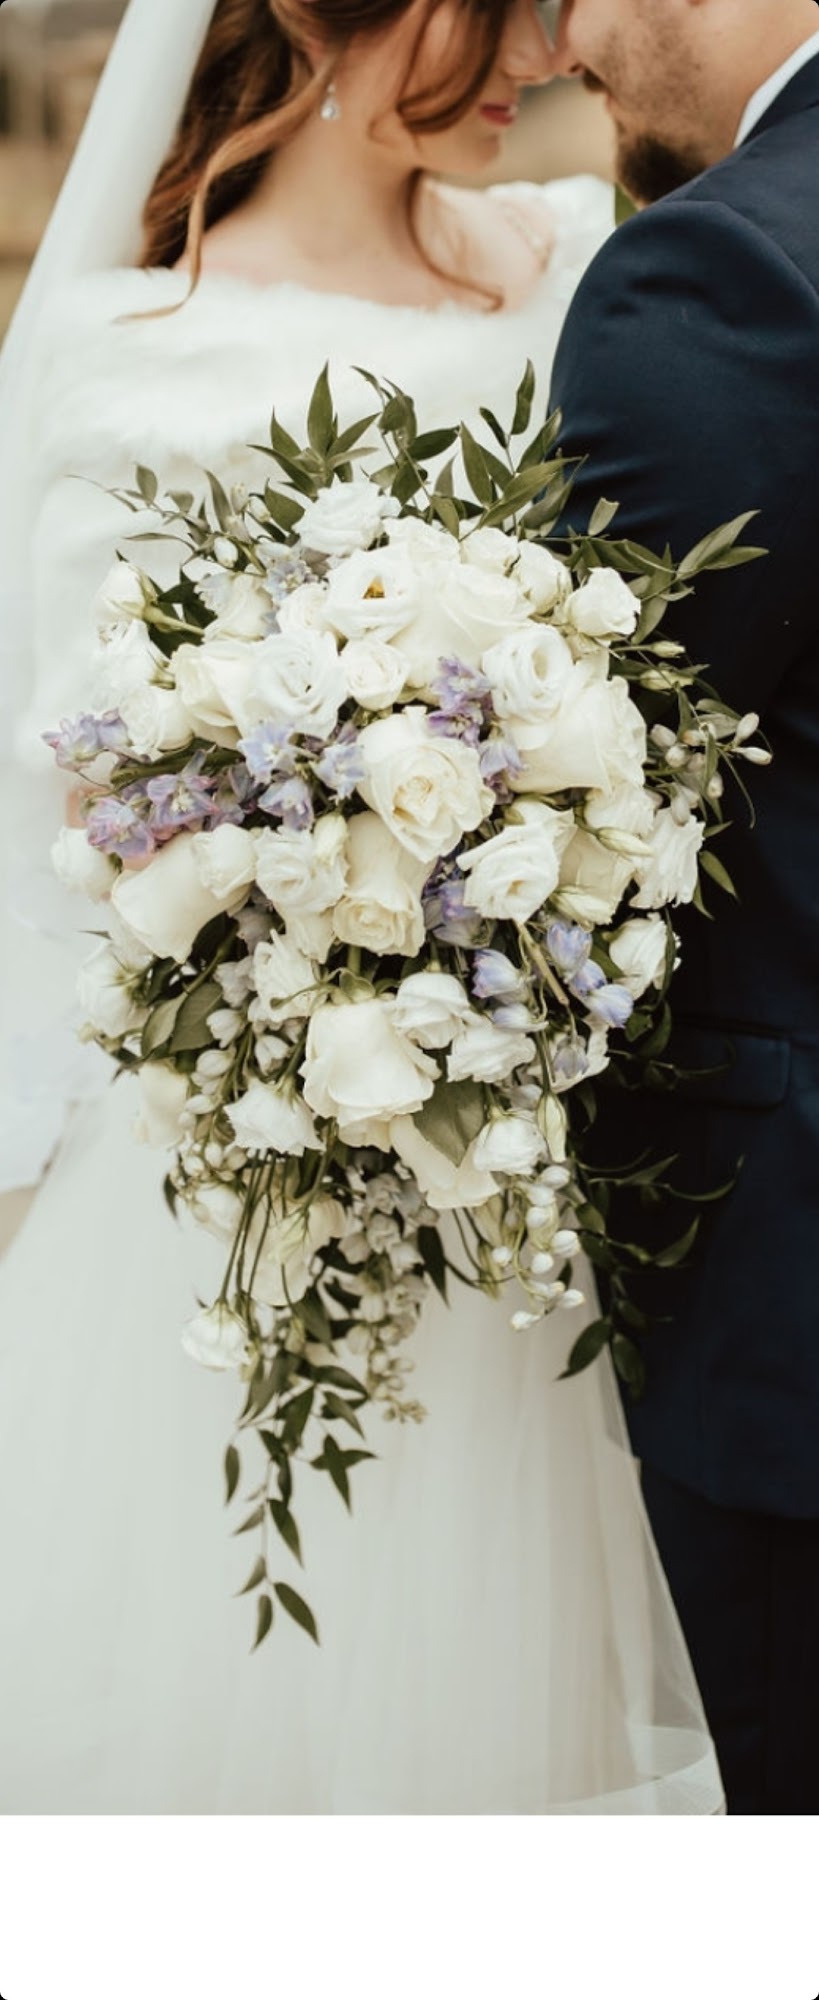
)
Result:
{"points": [[572, 1300], [537, 1218], [225, 552], [501, 1257], [542, 1264], [747, 727], [522, 1320], [566, 1243]]}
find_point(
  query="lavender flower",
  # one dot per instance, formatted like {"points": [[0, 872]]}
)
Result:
{"points": [[341, 766], [513, 1016], [569, 1062], [269, 751], [180, 799], [610, 1007], [291, 802], [115, 827], [587, 980], [460, 689], [494, 976], [500, 760], [448, 915], [568, 946], [78, 742]]}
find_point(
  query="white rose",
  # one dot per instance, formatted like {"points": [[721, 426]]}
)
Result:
{"points": [[374, 672], [509, 1146], [372, 592], [489, 549], [303, 609], [463, 611], [246, 610], [543, 578], [303, 871], [598, 870], [127, 660], [427, 789], [424, 539], [218, 1209], [595, 740], [444, 1184], [124, 594], [106, 992], [429, 1007], [604, 607], [514, 873], [529, 672], [359, 1071], [78, 865], [156, 719], [486, 1054], [297, 679], [213, 680], [164, 1092], [639, 950], [216, 1338], [166, 904], [285, 983], [381, 906], [225, 861], [345, 517], [672, 873], [267, 1119]]}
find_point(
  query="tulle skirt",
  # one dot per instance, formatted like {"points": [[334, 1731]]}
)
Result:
{"points": [[497, 1634]]}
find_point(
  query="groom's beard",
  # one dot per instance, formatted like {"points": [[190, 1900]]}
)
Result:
{"points": [[648, 168]]}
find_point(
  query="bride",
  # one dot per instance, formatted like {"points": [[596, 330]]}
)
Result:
{"points": [[497, 1634]]}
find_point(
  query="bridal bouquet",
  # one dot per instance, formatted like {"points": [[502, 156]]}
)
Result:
{"points": [[389, 803]]}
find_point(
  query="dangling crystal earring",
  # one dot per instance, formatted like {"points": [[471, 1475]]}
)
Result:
{"points": [[331, 109]]}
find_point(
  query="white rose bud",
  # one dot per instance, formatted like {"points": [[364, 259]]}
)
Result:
{"points": [[639, 950], [381, 907], [166, 904], [508, 1146], [106, 992], [604, 607], [124, 594], [345, 517], [156, 719], [216, 1338], [671, 875], [164, 1092], [225, 861], [80, 866], [267, 1119]]}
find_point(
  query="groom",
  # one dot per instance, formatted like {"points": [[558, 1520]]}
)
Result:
{"points": [[688, 375]]}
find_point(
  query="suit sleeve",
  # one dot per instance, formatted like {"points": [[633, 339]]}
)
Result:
{"points": [[688, 377]]}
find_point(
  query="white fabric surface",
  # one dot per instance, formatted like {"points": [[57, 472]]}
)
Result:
{"points": [[498, 1636]]}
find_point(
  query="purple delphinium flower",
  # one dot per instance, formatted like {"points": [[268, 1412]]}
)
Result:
{"points": [[568, 946], [448, 915], [341, 766], [466, 726], [500, 761], [569, 1061], [494, 977], [460, 689], [514, 1016], [290, 801], [610, 1007], [269, 751], [114, 827], [79, 741], [180, 799], [587, 980]]}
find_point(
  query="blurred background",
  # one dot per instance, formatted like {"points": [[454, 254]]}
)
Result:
{"points": [[51, 54]]}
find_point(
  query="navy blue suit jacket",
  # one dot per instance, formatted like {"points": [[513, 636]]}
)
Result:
{"points": [[688, 374]]}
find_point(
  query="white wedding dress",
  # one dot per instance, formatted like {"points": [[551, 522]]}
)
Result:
{"points": [[497, 1634]]}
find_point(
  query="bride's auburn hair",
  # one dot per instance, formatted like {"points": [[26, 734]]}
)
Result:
{"points": [[254, 87]]}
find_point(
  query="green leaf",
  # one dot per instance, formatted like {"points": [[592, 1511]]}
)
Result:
{"points": [[432, 1251], [283, 509], [348, 439], [431, 443], [711, 865], [498, 432], [591, 1343], [287, 1527], [523, 401], [281, 440], [475, 468], [629, 1363], [667, 1260], [314, 1316], [191, 1030], [335, 1460], [296, 1609], [148, 484], [264, 1619], [321, 425], [160, 1025], [715, 544], [451, 1118], [257, 1576], [233, 1467], [253, 1520], [339, 1411], [603, 516], [221, 504], [295, 1415]]}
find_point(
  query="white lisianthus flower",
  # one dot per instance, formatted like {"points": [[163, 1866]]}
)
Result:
{"points": [[303, 871], [604, 607], [267, 1119], [80, 866], [445, 1185], [529, 672], [124, 594], [486, 1054], [425, 540], [156, 719], [296, 679], [672, 873], [285, 982], [375, 673], [225, 861], [596, 739], [509, 1146], [427, 789], [516, 871], [381, 905], [216, 1338], [596, 870], [639, 950], [218, 1209], [303, 609], [166, 903], [126, 661], [345, 517], [106, 993], [164, 1092], [374, 591], [245, 611], [360, 1072], [543, 578], [429, 1007], [489, 549], [213, 680], [463, 611]]}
